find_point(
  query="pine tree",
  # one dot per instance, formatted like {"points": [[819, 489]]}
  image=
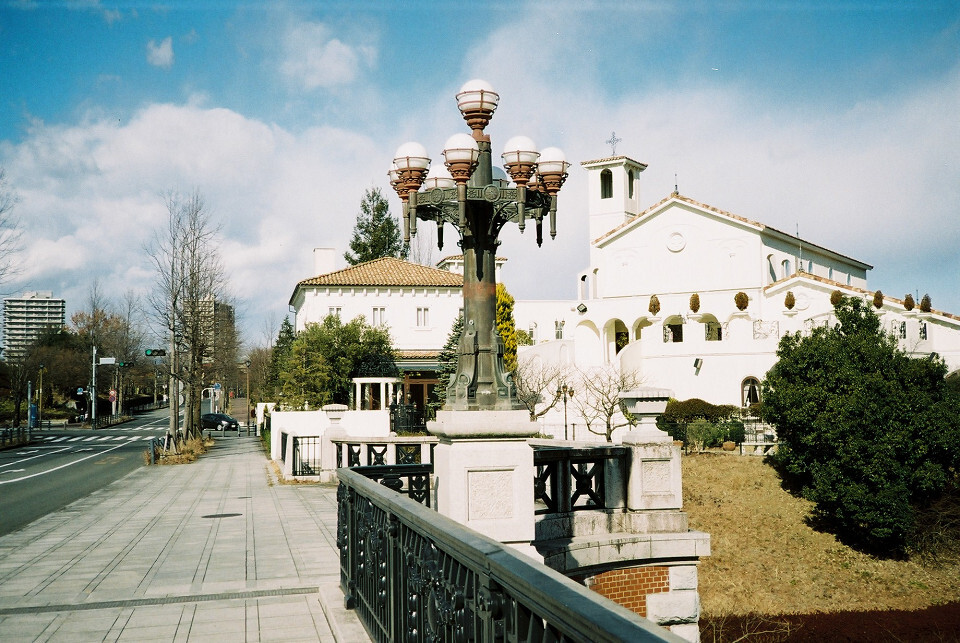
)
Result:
{"points": [[376, 233], [447, 360], [281, 351]]}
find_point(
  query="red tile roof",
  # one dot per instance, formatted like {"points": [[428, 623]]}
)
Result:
{"points": [[387, 271]]}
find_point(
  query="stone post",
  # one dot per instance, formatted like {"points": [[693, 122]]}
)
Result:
{"points": [[655, 477], [484, 473]]}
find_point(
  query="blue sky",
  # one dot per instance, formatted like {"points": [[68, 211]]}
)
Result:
{"points": [[837, 118]]}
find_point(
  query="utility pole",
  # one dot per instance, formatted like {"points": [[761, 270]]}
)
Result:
{"points": [[93, 391]]}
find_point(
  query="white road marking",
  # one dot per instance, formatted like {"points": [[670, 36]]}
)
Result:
{"points": [[62, 466]]}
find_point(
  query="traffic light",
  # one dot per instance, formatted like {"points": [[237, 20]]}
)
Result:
{"points": [[124, 363], [155, 352]]}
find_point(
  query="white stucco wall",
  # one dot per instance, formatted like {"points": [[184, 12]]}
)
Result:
{"points": [[400, 304]]}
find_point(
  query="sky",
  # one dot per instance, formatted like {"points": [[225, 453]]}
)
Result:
{"points": [[840, 120]]}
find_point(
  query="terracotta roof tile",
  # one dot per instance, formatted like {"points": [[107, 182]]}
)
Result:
{"points": [[387, 271], [416, 354]]}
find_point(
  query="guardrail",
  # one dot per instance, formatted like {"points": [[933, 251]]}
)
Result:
{"points": [[109, 420], [578, 478], [374, 451], [415, 575], [14, 435]]}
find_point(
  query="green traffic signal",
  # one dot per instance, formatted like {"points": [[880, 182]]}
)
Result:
{"points": [[155, 352]]}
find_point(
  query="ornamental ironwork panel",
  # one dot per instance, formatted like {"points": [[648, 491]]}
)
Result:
{"points": [[409, 454], [415, 575], [575, 479], [412, 480], [376, 454], [765, 330], [353, 455]]}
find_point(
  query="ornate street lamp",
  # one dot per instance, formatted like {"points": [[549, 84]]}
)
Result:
{"points": [[567, 392], [474, 200]]}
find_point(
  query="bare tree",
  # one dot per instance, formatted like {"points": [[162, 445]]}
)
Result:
{"points": [[598, 397], [115, 333], [11, 233], [190, 302], [538, 385], [421, 248]]}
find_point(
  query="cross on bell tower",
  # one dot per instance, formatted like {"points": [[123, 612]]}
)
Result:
{"points": [[612, 142]]}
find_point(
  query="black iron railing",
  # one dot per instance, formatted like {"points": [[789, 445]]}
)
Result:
{"points": [[405, 418], [576, 479], [306, 455], [373, 451], [415, 575], [412, 480]]}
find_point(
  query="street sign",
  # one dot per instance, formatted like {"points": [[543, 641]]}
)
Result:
{"points": [[80, 391], [106, 361], [113, 395]]}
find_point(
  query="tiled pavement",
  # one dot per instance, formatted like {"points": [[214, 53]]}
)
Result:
{"points": [[216, 550]]}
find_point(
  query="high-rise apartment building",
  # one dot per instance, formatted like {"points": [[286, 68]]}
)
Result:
{"points": [[25, 318]]}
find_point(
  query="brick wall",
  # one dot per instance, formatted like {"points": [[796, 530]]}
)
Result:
{"points": [[629, 587]]}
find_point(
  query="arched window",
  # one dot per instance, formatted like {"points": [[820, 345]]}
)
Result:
{"points": [[785, 268], [749, 392], [673, 330], [606, 184], [630, 178]]}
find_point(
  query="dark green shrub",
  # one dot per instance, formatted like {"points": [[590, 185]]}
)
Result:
{"points": [[734, 431], [908, 302], [865, 432], [704, 435], [878, 300], [925, 304], [835, 298]]}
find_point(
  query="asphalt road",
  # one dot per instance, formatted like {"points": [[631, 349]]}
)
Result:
{"points": [[59, 467]]}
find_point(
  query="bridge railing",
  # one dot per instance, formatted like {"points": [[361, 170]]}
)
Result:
{"points": [[377, 451], [415, 575], [579, 478]]}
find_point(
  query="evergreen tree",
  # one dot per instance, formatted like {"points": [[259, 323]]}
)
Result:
{"points": [[376, 233], [448, 362], [507, 327], [280, 353], [866, 432], [324, 358]]}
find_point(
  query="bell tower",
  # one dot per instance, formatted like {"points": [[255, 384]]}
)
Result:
{"points": [[613, 185]]}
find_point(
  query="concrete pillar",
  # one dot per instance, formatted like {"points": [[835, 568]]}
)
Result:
{"points": [[484, 473]]}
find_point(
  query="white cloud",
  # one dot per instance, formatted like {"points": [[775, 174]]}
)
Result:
{"points": [[875, 181], [160, 55], [92, 197], [314, 58]]}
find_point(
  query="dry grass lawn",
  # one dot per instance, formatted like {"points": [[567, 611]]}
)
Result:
{"points": [[766, 560]]}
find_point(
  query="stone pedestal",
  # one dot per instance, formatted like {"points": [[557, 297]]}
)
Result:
{"points": [[655, 476], [484, 472]]}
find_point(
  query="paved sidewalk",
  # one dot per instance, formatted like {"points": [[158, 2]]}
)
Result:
{"points": [[216, 550]]}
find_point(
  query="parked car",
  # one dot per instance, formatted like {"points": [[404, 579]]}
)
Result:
{"points": [[218, 422]]}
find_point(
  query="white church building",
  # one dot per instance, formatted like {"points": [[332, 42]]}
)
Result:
{"points": [[727, 289], [682, 252]]}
